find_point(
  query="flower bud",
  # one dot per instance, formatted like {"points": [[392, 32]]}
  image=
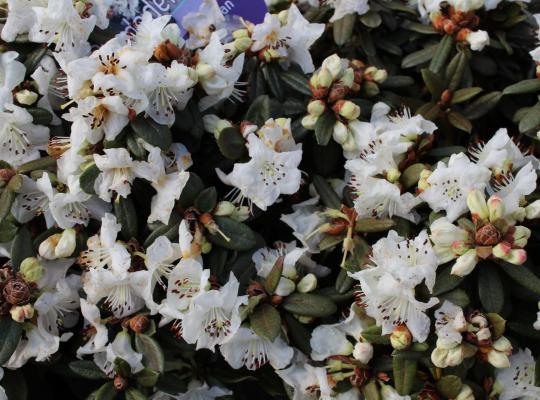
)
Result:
{"points": [[532, 211], [26, 97], [347, 78], [347, 109], [422, 181], [303, 319], [67, 243], [325, 78], [465, 263], [503, 345], [363, 352], [31, 269], [439, 357], [240, 34], [496, 208], [309, 121], [224, 209], [340, 133], [498, 359], [243, 44], [506, 253], [483, 334], [47, 247], [21, 313], [392, 175], [16, 292], [478, 40], [316, 108], [139, 323], [380, 76], [401, 337], [350, 144], [465, 393], [241, 213], [285, 287], [205, 71], [521, 236], [307, 284], [371, 89], [333, 65], [214, 124], [476, 202]]}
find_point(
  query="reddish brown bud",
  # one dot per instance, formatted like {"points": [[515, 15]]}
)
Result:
{"points": [[438, 22], [449, 27], [463, 34], [360, 377], [338, 91], [16, 292], [6, 174], [487, 235], [139, 323], [120, 383], [446, 96], [255, 289], [276, 300]]}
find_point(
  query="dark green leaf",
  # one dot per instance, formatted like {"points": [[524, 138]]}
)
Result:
{"points": [[232, 144], [88, 178], [525, 86], [147, 377], [441, 54], [404, 374], [310, 305], [272, 280], [40, 116], [21, 248], [463, 95], [490, 289], [272, 73], [449, 386], [151, 350], [152, 133], [193, 187], [105, 392], [206, 200], [328, 195], [446, 281], [125, 212], [522, 275], [343, 29], [324, 127], [266, 321], [241, 237], [10, 335], [418, 57], [135, 394], [86, 369], [373, 334], [369, 225], [531, 119], [459, 121], [433, 82], [297, 82], [482, 105]]}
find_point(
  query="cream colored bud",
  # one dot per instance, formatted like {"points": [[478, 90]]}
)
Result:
{"points": [[341, 132], [333, 65], [31, 269], [224, 209], [392, 175], [283, 16], [401, 337], [465, 264], [521, 236], [347, 78], [483, 334], [67, 243], [205, 71], [240, 34], [21, 313], [363, 352], [476, 201], [316, 108], [503, 345], [496, 208], [380, 76], [532, 211], [309, 121], [466, 393], [307, 284], [243, 44], [349, 110], [47, 247], [285, 287], [325, 78], [26, 97], [498, 359], [241, 213]]}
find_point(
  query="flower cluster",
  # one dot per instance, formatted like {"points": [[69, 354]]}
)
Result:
{"points": [[209, 207]]}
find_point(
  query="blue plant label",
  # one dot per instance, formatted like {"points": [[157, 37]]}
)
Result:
{"points": [[250, 10]]}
